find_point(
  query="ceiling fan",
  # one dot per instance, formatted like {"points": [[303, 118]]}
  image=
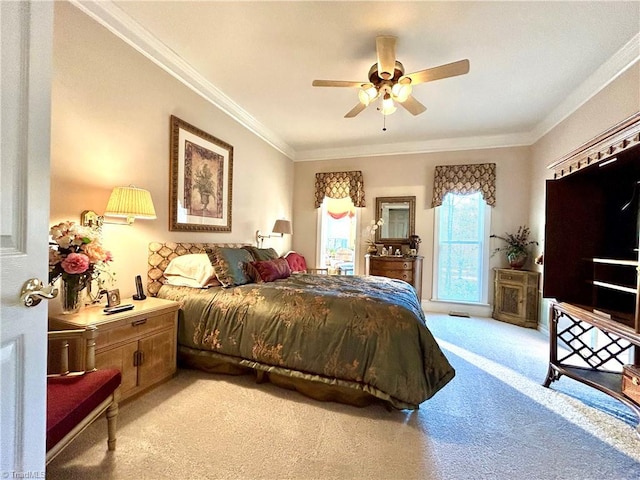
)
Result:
{"points": [[388, 81]]}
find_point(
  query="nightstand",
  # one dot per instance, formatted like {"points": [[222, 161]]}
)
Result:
{"points": [[516, 297], [141, 342]]}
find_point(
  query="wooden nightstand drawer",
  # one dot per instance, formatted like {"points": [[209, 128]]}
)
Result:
{"points": [[141, 343], [126, 329]]}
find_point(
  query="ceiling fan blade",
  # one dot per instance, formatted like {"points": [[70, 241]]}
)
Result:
{"points": [[386, 51], [337, 83], [454, 69], [355, 110], [413, 106]]}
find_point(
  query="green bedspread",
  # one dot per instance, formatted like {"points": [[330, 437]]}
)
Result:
{"points": [[366, 333]]}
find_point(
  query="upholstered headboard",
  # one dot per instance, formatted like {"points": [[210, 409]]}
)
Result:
{"points": [[160, 254]]}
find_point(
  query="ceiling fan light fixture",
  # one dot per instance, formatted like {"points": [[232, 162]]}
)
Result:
{"points": [[367, 94], [401, 92], [387, 105]]}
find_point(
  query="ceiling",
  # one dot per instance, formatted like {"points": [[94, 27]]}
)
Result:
{"points": [[532, 64]]}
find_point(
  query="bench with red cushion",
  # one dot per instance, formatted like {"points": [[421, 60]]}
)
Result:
{"points": [[71, 399]]}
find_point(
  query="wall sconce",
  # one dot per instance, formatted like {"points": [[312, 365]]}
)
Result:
{"points": [[126, 202], [280, 228]]}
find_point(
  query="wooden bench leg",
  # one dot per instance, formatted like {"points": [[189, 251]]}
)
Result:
{"points": [[112, 417]]}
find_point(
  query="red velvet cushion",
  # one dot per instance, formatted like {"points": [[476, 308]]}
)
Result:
{"points": [[271, 270], [296, 262], [70, 399]]}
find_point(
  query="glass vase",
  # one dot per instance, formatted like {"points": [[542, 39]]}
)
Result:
{"points": [[71, 293]]}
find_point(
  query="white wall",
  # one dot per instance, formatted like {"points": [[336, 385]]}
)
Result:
{"points": [[413, 175], [110, 126]]}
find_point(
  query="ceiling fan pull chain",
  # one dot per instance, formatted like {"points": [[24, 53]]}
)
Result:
{"points": [[384, 123]]}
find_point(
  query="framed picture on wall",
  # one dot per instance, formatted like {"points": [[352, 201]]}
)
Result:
{"points": [[200, 180]]}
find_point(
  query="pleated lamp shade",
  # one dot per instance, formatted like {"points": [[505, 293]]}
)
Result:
{"points": [[130, 203]]}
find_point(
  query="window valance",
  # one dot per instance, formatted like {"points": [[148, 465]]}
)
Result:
{"points": [[340, 185], [465, 180]]}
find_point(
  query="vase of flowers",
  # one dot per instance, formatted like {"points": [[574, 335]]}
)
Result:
{"points": [[77, 257], [370, 236], [517, 246]]}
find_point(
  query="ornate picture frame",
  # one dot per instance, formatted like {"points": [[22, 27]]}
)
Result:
{"points": [[200, 180]]}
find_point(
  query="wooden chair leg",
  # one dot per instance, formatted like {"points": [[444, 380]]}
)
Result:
{"points": [[112, 417]]}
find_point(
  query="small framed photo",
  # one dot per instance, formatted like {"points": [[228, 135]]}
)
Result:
{"points": [[113, 297], [201, 168]]}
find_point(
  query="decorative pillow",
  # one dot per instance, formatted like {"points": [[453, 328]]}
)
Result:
{"points": [[192, 270], [261, 254], [296, 262], [271, 270], [230, 265]]}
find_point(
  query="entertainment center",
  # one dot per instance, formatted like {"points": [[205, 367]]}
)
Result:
{"points": [[591, 263]]}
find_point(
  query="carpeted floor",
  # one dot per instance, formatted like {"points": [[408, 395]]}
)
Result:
{"points": [[493, 421]]}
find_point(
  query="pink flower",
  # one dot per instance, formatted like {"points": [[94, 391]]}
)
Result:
{"points": [[75, 263], [95, 252]]}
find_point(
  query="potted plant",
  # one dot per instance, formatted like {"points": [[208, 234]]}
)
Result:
{"points": [[517, 246]]}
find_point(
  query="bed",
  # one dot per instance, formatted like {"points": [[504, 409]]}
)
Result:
{"points": [[351, 339]]}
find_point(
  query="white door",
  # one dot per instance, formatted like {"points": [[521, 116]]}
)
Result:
{"points": [[25, 47]]}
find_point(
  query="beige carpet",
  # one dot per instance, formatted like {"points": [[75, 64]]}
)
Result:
{"points": [[494, 420]]}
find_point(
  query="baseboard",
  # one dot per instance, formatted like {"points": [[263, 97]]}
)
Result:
{"points": [[473, 310]]}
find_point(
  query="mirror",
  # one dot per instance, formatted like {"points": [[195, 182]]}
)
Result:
{"points": [[399, 215]]}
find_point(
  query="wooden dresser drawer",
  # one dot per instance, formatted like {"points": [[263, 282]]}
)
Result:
{"points": [[127, 329], [511, 276], [407, 276], [408, 269], [394, 266]]}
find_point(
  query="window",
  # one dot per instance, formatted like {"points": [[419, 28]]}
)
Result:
{"points": [[461, 252], [337, 239]]}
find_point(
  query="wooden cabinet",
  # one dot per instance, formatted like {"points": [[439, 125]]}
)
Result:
{"points": [[408, 269], [141, 342], [516, 297], [592, 226]]}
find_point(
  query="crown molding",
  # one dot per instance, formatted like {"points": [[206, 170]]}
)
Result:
{"points": [[429, 146], [603, 76], [114, 19], [124, 27]]}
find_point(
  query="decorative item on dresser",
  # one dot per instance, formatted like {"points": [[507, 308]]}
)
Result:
{"points": [[408, 269], [591, 263], [517, 246], [140, 342], [516, 297]]}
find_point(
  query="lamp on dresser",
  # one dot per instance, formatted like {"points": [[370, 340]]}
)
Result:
{"points": [[279, 228]]}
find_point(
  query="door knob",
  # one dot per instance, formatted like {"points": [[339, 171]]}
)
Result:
{"points": [[33, 291]]}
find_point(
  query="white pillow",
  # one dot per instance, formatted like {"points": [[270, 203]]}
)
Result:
{"points": [[179, 281], [194, 269]]}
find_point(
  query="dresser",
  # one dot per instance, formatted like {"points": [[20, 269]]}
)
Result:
{"points": [[141, 342], [515, 297], [408, 269]]}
